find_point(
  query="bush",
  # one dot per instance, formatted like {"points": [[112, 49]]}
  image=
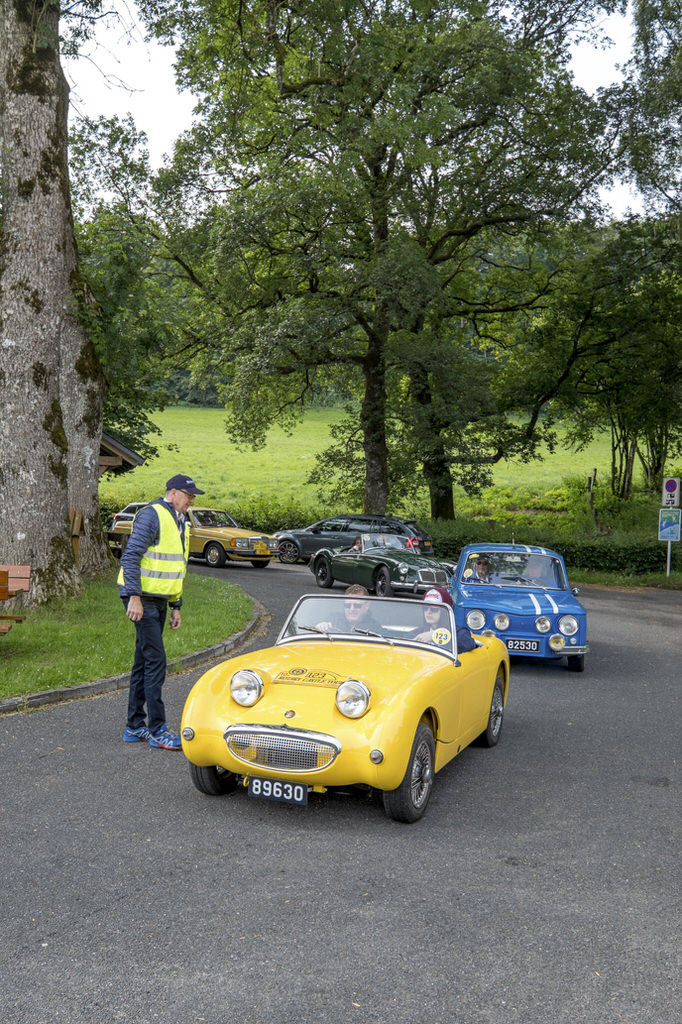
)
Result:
{"points": [[560, 519], [633, 556]]}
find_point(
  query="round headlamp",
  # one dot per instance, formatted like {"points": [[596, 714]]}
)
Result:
{"points": [[542, 624], [246, 687], [475, 619], [501, 622], [352, 698], [568, 625]]}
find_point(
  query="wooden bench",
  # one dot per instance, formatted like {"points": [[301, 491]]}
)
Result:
{"points": [[13, 579]]}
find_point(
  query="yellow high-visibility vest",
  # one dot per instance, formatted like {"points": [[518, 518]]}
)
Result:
{"points": [[164, 564]]}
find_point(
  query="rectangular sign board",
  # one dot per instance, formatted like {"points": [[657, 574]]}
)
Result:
{"points": [[671, 492], [669, 524]]}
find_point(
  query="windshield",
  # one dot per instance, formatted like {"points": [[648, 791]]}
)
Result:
{"points": [[514, 569], [375, 619], [372, 541], [212, 517]]}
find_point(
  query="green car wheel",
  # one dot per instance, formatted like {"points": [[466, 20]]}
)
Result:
{"points": [[323, 573]]}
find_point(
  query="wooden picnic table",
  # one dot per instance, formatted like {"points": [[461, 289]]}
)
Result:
{"points": [[13, 579]]}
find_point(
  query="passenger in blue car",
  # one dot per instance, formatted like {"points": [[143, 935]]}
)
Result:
{"points": [[538, 570]]}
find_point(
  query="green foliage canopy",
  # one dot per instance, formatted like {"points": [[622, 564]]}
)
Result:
{"points": [[352, 167]]}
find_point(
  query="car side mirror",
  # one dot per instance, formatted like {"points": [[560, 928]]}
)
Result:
{"points": [[575, 591]]}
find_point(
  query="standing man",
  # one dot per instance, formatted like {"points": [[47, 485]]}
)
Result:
{"points": [[153, 567]]}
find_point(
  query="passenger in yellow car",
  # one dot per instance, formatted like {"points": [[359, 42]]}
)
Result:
{"points": [[436, 617]]}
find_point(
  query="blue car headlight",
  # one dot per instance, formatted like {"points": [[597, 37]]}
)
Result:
{"points": [[476, 619], [569, 625], [543, 624]]}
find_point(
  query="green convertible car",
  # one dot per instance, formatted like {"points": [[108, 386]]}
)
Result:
{"points": [[381, 562]]}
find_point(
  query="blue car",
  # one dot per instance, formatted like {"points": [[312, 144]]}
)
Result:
{"points": [[520, 593]]}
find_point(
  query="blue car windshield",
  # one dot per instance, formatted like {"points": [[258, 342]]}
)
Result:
{"points": [[518, 568]]}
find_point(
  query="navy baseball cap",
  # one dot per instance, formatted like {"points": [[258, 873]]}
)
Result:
{"points": [[182, 483]]}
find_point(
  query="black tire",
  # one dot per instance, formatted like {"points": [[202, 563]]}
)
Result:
{"points": [[323, 573], [382, 582], [212, 780], [491, 733], [259, 565], [408, 802], [289, 552], [575, 662], [214, 555]]}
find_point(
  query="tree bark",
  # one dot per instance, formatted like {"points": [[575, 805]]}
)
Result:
{"points": [[373, 423], [50, 380]]}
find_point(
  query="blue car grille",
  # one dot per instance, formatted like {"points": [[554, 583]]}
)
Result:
{"points": [[281, 748]]}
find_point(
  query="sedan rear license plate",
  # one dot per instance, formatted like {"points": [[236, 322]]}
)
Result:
{"points": [[522, 645], [282, 792]]}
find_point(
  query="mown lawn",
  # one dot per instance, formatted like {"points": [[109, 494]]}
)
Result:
{"points": [[194, 441], [89, 637]]}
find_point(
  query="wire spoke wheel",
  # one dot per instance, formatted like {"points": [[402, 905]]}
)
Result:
{"points": [[408, 802]]}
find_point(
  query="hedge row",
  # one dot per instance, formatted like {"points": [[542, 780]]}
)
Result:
{"points": [[632, 556], [635, 556]]}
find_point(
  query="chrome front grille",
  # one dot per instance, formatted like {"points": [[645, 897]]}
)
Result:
{"points": [[281, 748], [436, 577]]}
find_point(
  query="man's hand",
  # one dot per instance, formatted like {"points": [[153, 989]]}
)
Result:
{"points": [[175, 618], [134, 610]]}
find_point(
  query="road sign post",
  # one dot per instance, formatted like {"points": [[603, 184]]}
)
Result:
{"points": [[669, 529], [671, 492]]}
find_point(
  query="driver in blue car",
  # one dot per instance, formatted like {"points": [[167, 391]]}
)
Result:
{"points": [[481, 570]]}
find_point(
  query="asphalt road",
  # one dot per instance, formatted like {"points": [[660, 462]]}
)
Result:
{"points": [[543, 884]]}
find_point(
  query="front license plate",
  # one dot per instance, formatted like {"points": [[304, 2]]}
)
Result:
{"points": [[283, 792], [261, 549], [522, 645]]}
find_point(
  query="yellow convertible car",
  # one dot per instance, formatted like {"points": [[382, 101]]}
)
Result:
{"points": [[357, 691]]}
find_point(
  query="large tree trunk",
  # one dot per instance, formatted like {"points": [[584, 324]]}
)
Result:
{"points": [[51, 413], [373, 423], [435, 462]]}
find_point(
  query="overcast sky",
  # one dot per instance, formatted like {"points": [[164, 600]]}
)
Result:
{"points": [[162, 113]]}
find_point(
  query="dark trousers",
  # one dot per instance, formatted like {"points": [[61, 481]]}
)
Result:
{"points": [[149, 667]]}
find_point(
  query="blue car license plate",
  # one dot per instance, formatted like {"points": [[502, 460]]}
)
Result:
{"points": [[522, 645], [282, 792]]}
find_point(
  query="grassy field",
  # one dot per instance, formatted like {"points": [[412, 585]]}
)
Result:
{"points": [[194, 442], [75, 641]]}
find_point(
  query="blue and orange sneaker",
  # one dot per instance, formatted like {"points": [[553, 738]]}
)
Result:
{"points": [[140, 735], [165, 738]]}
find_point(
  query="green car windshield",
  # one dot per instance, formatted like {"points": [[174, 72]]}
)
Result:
{"points": [[372, 541]]}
